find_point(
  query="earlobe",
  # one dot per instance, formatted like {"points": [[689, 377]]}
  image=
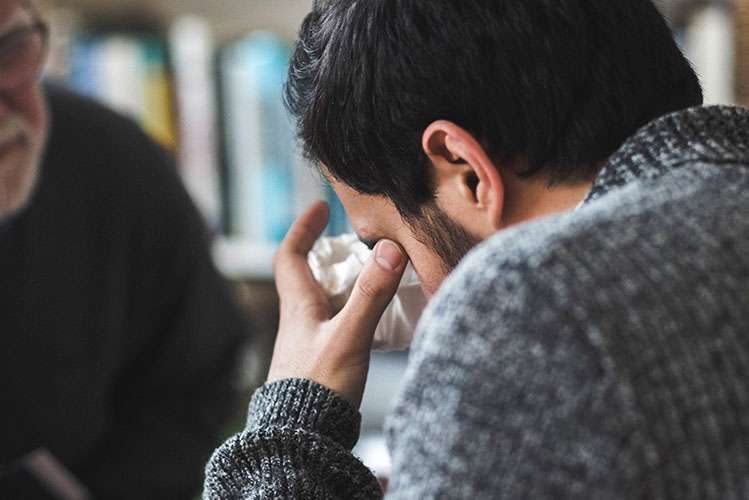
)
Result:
{"points": [[465, 176]]}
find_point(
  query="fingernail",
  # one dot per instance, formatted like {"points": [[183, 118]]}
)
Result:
{"points": [[388, 255]]}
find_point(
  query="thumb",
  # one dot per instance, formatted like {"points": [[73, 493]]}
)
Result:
{"points": [[374, 288]]}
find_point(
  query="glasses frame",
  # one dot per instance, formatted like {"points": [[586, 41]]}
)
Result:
{"points": [[40, 28]]}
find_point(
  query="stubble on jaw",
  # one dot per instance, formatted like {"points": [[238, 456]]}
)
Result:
{"points": [[449, 240], [17, 184]]}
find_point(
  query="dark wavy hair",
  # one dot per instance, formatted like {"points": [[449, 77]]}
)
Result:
{"points": [[559, 84]]}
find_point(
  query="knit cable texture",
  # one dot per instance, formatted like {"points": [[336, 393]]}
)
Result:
{"points": [[297, 444]]}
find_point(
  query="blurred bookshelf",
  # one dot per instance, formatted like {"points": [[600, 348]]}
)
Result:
{"points": [[204, 79], [228, 19]]}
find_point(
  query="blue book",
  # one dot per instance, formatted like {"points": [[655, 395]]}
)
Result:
{"points": [[83, 73], [259, 139]]}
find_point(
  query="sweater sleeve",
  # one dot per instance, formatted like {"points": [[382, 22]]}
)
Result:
{"points": [[296, 445]]}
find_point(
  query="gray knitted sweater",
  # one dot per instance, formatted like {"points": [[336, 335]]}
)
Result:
{"points": [[601, 353]]}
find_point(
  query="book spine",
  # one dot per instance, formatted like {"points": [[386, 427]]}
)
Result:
{"points": [[157, 114], [260, 146], [192, 52]]}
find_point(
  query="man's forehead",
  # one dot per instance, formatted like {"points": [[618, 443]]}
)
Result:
{"points": [[371, 216]]}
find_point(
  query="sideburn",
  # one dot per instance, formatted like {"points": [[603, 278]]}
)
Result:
{"points": [[450, 241]]}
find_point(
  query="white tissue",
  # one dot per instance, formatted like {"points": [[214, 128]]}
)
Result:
{"points": [[336, 263]]}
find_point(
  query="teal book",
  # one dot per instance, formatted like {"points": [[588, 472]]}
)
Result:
{"points": [[259, 138]]}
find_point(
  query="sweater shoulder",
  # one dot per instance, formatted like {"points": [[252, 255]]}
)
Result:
{"points": [[644, 255], [632, 231], [583, 331]]}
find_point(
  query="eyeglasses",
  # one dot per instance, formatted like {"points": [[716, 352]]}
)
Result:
{"points": [[23, 52]]}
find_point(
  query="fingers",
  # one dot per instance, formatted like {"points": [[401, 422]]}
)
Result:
{"points": [[294, 280], [332, 352], [374, 289]]}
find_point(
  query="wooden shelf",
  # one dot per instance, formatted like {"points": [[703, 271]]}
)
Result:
{"points": [[229, 18], [239, 259]]}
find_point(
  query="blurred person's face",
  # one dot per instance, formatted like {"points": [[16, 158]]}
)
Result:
{"points": [[23, 111]]}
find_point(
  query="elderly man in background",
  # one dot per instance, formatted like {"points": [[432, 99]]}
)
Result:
{"points": [[118, 339]]}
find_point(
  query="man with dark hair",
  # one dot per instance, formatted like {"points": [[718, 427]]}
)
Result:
{"points": [[594, 344], [118, 338]]}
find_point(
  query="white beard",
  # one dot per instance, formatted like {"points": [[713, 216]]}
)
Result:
{"points": [[19, 165]]}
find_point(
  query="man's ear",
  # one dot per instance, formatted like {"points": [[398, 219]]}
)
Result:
{"points": [[467, 182]]}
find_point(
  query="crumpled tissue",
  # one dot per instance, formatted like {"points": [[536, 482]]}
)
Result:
{"points": [[336, 263]]}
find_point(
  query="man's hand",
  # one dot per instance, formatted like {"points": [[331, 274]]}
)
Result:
{"points": [[312, 343]]}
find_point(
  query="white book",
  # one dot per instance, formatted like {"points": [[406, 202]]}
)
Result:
{"points": [[121, 67], [192, 50], [710, 46]]}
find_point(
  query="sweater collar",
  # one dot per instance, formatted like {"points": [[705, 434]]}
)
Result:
{"points": [[711, 134]]}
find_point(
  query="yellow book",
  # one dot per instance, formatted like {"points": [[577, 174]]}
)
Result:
{"points": [[158, 111]]}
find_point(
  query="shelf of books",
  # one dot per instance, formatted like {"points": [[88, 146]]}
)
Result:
{"points": [[228, 19], [215, 100], [219, 108]]}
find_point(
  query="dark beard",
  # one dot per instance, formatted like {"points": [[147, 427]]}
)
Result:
{"points": [[448, 239]]}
